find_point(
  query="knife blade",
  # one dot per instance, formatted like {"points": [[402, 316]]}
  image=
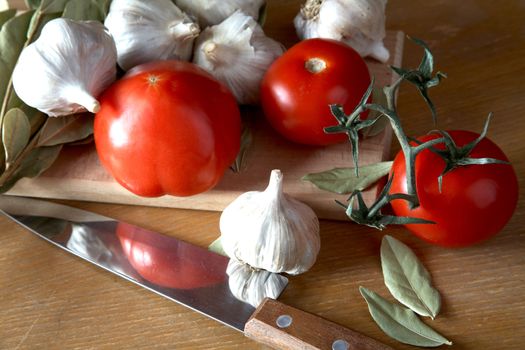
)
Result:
{"points": [[184, 273]]}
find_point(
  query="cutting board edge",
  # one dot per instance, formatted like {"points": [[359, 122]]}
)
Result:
{"points": [[85, 190], [70, 190]]}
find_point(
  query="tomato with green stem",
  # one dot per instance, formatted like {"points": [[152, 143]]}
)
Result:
{"points": [[298, 88], [475, 201]]}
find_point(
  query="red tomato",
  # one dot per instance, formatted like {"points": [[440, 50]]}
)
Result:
{"points": [[168, 263], [298, 87], [475, 203], [167, 127]]}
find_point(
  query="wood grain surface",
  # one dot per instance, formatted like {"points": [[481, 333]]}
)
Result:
{"points": [[50, 300]]}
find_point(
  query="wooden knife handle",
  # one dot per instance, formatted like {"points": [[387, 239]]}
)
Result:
{"points": [[283, 327]]}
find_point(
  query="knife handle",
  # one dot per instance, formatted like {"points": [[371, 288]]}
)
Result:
{"points": [[284, 327]]}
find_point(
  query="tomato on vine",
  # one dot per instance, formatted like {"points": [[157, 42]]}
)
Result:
{"points": [[475, 201], [452, 189]]}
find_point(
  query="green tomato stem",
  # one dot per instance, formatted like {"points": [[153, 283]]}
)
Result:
{"points": [[409, 152]]}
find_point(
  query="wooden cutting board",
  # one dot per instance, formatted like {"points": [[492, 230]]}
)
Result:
{"points": [[78, 174]]}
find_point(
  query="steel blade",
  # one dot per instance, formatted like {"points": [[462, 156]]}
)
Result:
{"points": [[179, 271]]}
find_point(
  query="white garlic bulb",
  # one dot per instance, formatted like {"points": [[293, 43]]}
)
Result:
{"points": [[358, 23], [211, 12], [146, 31], [251, 285], [237, 53], [66, 68], [270, 230]]}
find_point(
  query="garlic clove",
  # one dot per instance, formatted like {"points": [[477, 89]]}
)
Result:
{"points": [[66, 68], [358, 23], [146, 31], [306, 21], [270, 230], [362, 27], [212, 12], [82, 98], [252, 286], [237, 53]]}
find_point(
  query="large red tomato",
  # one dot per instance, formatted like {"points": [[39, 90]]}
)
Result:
{"points": [[170, 263], [300, 85], [167, 127], [475, 202]]}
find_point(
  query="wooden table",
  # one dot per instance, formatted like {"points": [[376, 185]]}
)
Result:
{"points": [[52, 300]]}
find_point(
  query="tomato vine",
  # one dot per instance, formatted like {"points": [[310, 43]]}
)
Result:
{"points": [[423, 78]]}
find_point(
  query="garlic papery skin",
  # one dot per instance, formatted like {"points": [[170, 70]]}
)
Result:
{"points": [[270, 230], [237, 53], [358, 23], [306, 20], [251, 285], [146, 31], [66, 68], [211, 12]]}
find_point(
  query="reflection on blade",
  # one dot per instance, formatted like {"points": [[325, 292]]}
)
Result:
{"points": [[174, 269]]}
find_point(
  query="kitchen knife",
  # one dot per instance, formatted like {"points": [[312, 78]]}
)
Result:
{"points": [[184, 273]]}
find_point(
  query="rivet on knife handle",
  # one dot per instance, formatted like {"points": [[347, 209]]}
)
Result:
{"points": [[283, 327]]}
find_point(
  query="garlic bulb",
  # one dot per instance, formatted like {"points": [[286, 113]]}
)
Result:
{"points": [[252, 286], [211, 12], [270, 230], [358, 23], [237, 53], [65, 70], [146, 31]]}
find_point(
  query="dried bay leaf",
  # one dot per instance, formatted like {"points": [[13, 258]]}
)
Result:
{"points": [[12, 41], [33, 4], [401, 323], [35, 117], [216, 247], [407, 279], [16, 131], [344, 180], [83, 10], [84, 141], [6, 16], [45, 12], [72, 128], [104, 6], [37, 161], [52, 6], [38, 22]]}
